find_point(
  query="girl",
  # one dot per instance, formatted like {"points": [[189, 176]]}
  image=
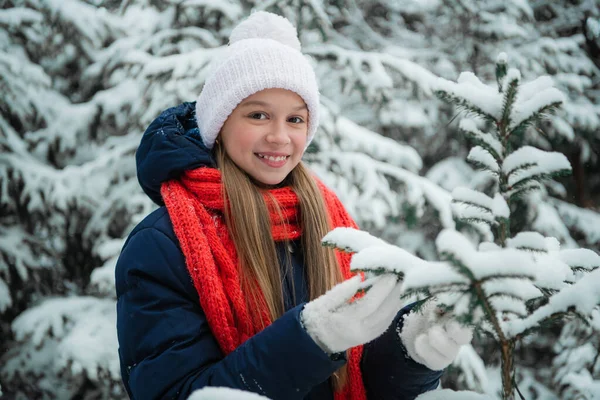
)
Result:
{"points": [[227, 283]]}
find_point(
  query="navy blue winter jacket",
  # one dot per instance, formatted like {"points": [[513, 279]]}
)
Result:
{"points": [[166, 347]]}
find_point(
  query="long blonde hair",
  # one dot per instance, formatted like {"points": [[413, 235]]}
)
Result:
{"points": [[248, 221]]}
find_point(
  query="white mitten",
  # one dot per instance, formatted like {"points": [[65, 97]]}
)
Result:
{"points": [[336, 324], [431, 340]]}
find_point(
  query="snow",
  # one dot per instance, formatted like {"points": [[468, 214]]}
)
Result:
{"points": [[584, 221], [473, 198], [517, 288], [451, 173], [528, 241], [580, 258], [5, 298], [472, 366], [418, 276], [222, 393], [512, 75], [71, 138], [584, 296], [506, 304], [475, 92], [527, 108], [470, 126], [447, 394], [19, 15], [500, 207], [483, 159], [528, 162], [507, 262], [548, 221], [388, 258], [351, 240], [377, 146]]}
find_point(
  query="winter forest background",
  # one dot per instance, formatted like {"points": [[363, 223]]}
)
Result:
{"points": [[81, 80]]}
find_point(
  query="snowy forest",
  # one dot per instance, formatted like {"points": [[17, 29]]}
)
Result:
{"points": [[462, 135]]}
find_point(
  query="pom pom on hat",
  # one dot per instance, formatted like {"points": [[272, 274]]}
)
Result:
{"points": [[263, 53], [265, 25]]}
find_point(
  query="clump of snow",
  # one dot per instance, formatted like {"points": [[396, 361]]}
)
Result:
{"points": [[223, 393], [528, 162], [470, 88], [529, 241], [517, 288], [511, 76], [500, 207], [469, 126], [483, 158], [579, 258], [473, 198], [583, 295], [447, 394], [352, 240]]}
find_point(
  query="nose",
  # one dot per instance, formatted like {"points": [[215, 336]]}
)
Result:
{"points": [[278, 134]]}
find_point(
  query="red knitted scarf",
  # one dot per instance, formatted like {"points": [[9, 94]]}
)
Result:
{"points": [[195, 205]]}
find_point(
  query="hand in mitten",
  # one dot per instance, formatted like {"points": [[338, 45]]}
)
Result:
{"points": [[432, 339], [336, 323]]}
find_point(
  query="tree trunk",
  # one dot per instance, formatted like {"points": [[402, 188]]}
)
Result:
{"points": [[508, 369]]}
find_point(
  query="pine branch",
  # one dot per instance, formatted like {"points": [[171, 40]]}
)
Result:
{"points": [[540, 177], [478, 141], [519, 130], [508, 101], [472, 204], [531, 249], [522, 191], [475, 220], [464, 105], [521, 167], [482, 167]]}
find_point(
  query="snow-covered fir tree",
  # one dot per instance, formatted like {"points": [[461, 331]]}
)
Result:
{"points": [[81, 79], [507, 285]]}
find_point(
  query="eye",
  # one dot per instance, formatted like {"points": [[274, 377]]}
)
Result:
{"points": [[296, 120], [258, 115]]}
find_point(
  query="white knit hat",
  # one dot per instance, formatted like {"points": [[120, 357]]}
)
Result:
{"points": [[263, 53]]}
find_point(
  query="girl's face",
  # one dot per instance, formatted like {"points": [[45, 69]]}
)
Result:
{"points": [[266, 134]]}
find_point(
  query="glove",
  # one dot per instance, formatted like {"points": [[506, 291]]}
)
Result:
{"points": [[431, 340], [336, 323]]}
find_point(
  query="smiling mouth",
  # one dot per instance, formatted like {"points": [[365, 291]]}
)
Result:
{"points": [[272, 158]]}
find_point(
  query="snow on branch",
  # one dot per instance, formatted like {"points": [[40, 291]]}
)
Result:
{"points": [[224, 393], [537, 96], [372, 179], [447, 394], [16, 16], [485, 140], [472, 95], [529, 163], [532, 241], [358, 138], [369, 69], [483, 265], [89, 24], [583, 296], [584, 221], [483, 159], [351, 240]]}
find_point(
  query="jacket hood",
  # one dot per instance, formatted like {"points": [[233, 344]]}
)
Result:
{"points": [[170, 146]]}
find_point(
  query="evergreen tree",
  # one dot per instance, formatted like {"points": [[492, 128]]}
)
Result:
{"points": [[82, 79], [510, 285], [82, 83]]}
